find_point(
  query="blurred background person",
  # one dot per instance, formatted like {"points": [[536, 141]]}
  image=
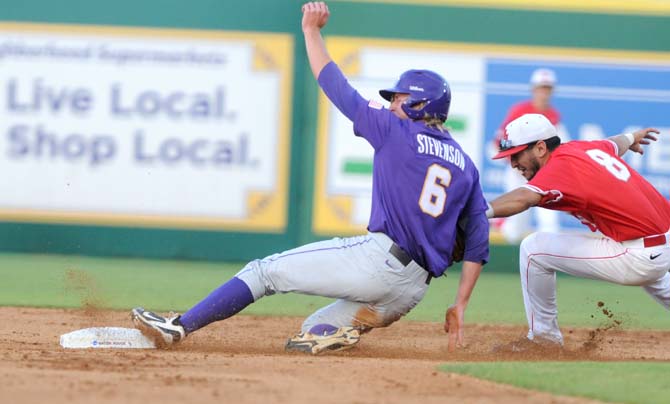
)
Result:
{"points": [[514, 229]]}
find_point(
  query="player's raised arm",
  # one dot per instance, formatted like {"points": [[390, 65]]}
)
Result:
{"points": [[634, 141], [314, 17]]}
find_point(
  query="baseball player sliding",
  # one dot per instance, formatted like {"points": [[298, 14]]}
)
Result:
{"points": [[589, 180], [423, 185]]}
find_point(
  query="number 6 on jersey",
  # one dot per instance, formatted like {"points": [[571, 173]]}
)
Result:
{"points": [[434, 193]]}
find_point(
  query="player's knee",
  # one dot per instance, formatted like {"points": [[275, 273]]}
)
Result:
{"points": [[369, 319], [527, 246], [533, 252], [252, 275], [536, 243], [531, 245]]}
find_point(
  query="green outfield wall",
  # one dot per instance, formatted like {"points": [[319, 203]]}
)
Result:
{"points": [[283, 215]]}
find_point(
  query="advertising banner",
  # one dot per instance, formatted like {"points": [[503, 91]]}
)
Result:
{"points": [[147, 127]]}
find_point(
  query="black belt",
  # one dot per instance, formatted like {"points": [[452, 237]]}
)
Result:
{"points": [[400, 254], [405, 259]]}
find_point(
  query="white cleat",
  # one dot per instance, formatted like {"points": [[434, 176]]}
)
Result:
{"points": [[164, 331]]}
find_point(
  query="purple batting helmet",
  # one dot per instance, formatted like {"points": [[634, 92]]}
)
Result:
{"points": [[423, 86]]}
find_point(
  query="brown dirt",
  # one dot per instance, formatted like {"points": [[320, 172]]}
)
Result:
{"points": [[241, 360]]}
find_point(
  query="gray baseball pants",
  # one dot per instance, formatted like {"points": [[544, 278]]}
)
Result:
{"points": [[371, 286]]}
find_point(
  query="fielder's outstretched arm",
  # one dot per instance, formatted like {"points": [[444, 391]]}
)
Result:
{"points": [[513, 202], [314, 17]]}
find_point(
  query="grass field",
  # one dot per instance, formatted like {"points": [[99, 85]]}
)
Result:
{"points": [[621, 382], [71, 281]]}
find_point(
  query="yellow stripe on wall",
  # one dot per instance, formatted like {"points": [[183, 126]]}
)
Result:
{"points": [[639, 7]]}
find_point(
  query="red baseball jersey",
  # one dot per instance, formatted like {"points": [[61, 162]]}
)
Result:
{"points": [[590, 181], [526, 107], [522, 108]]}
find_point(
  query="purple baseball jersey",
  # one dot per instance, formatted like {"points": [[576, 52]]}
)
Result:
{"points": [[423, 182]]}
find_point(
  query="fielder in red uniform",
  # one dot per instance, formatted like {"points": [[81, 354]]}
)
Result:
{"points": [[589, 180]]}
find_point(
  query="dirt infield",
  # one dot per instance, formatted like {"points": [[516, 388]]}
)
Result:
{"points": [[241, 360]]}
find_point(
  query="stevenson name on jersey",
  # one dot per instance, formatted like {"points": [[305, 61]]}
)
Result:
{"points": [[447, 152]]}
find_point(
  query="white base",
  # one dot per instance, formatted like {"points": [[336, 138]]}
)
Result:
{"points": [[106, 337]]}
